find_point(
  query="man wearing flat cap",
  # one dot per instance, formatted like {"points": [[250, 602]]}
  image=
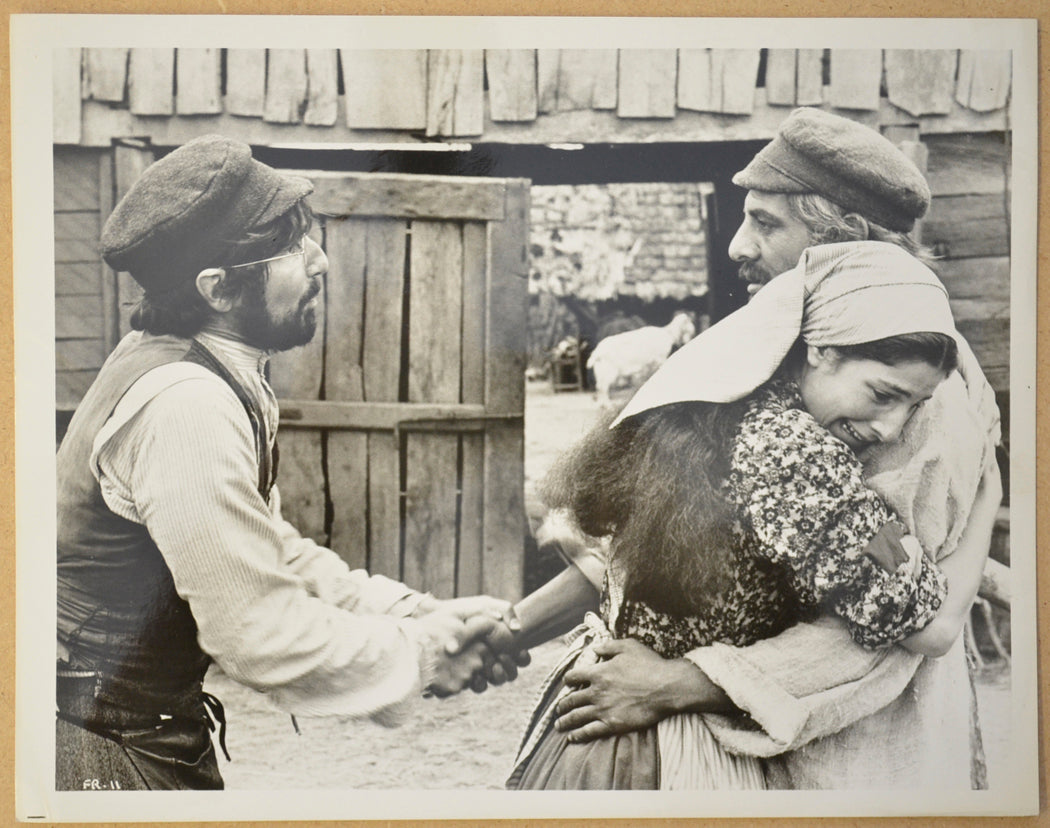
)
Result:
{"points": [[824, 712], [171, 549]]}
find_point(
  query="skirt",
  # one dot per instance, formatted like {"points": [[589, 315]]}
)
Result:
{"points": [[679, 753]]}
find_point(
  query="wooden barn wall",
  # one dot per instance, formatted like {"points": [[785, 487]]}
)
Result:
{"points": [[952, 105], [517, 96]]}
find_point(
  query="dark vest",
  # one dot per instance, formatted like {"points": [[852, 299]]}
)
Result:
{"points": [[118, 611]]}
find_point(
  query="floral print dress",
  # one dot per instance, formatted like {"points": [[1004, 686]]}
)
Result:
{"points": [[803, 518]]}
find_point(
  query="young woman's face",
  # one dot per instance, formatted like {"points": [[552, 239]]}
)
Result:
{"points": [[862, 401]]}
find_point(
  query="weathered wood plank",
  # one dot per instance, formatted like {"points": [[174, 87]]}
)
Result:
{"points": [[855, 78], [961, 227], [967, 164], [347, 452], [548, 62], [70, 387], [385, 88], [696, 88], [383, 305], [606, 78], [322, 86], [475, 266], [435, 312], [810, 84], [78, 225], [77, 279], [739, 70], [345, 245], [781, 76], [245, 81], [78, 317], [472, 474], [79, 354], [984, 79], [408, 196], [921, 81], [151, 81], [511, 75], [455, 92], [384, 505], [586, 79], [430, 513], [647, 83], [979, 278], [105, 74], [990, 341], [70, 251], [471, 564], [66, 95], [76, 179], [504, 480], [285, 86], [198, 81]]}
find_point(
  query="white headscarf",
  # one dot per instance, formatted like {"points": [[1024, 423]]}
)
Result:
{"points": [[838, 294]]}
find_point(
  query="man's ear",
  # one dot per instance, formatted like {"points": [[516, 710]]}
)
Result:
{"points": [[210, 284], [858, 224]]}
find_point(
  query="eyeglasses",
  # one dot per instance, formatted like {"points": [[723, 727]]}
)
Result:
{"points": [[299, 250]]}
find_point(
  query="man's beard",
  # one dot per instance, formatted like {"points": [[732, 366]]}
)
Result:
{"points": [[261, 330], [754, 273]]}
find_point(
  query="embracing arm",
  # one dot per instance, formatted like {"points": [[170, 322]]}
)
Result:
{"points": [[963, 570]]}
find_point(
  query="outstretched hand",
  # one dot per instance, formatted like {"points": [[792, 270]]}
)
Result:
{"points": [[482, 643]]}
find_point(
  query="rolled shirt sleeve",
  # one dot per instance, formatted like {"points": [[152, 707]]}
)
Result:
{"points": [[277, 612], [805, 506]]}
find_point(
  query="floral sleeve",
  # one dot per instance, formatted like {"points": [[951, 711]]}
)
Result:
{"points": [[804, 505]]}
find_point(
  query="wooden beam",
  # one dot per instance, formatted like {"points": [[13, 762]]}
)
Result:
{"points": [[380, 416], [409, 196]]}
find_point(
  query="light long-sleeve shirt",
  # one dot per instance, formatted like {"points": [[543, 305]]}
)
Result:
{"points": [[276, 611]]}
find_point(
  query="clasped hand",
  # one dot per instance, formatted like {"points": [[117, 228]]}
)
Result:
{"points": [[472, 643]]}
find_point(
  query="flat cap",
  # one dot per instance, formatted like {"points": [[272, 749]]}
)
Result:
{"points": [[844, 161], [184, 209]]}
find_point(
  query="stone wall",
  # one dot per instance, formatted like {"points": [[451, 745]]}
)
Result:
{"points": [[602, 251]]}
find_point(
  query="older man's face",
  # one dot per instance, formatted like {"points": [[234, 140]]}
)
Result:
{"points": [[770, 240]]}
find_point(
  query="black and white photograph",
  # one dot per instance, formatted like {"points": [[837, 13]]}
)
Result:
{"points": [[524, 417]]}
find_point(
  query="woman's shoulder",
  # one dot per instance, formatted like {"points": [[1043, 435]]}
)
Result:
{"points": [[778, 427]]}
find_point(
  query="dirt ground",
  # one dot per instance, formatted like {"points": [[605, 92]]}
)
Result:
{"points": [[467, 741]]}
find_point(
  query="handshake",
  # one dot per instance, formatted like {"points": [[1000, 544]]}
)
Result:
{"points": [[468, 642]]}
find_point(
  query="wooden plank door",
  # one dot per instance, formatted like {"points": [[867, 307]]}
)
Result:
{"points": [[415, 434]]}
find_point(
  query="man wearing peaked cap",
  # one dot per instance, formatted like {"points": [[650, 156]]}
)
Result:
{"points": [[822, 179], [172, 552]]}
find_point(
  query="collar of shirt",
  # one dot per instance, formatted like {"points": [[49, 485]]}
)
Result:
{"points": [[248, 364]]}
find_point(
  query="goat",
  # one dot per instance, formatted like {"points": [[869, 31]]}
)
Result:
{"points": [[628, 359]]}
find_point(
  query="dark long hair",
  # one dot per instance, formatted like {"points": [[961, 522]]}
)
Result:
{"points": [[182, 311], [654, 484]]}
